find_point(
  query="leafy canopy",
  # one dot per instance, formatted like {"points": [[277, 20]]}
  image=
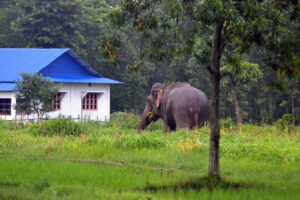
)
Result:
{"points": [[36, 94], [170, 28]]}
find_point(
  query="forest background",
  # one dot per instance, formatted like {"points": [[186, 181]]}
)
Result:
{"points": [[262, 95]]}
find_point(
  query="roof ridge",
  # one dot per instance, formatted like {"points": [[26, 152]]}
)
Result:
{"points": [[39, 48]]}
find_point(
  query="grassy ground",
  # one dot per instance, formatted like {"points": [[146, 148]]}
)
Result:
{"points": [[113, 161]]}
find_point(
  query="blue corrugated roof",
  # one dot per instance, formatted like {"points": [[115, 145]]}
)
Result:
{"points": [[14, 61], [83, 64], [5, 87], [68, 66], [61, 65], [83, 80]]}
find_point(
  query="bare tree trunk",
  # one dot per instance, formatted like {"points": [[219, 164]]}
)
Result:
{"points": [[214, 106], [239, 119]]}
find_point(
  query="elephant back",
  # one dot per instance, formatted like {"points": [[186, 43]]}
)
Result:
{"points": [[189, 100]]}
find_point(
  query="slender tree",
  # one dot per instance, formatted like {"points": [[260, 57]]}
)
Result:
{"points": [[36, 94], [231, 25], [241, 73]]}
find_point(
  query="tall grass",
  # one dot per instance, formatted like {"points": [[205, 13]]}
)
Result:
{"points": [[61, 159], [61, 126]]}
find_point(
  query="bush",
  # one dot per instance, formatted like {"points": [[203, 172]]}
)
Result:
{"points": [[123, 120], [227, 123], [59, 126], [285, 123]]}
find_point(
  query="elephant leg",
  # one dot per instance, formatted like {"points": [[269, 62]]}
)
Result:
{"points": [[201, 119], [181, 125], [169, 123], [182, 122], [167, 128], [197, 121]]}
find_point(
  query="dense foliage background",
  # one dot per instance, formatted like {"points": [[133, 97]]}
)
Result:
{"points": [[82, 25]]}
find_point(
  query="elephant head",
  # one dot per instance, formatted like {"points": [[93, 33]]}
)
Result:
{"points": [[152, 109]]}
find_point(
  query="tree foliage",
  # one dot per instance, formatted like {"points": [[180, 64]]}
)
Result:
{"points": [[47, 24], [227, 29], [35, 94], [240, 74]]}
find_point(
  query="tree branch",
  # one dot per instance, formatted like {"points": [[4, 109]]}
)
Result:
{"points": [[209, 69]]}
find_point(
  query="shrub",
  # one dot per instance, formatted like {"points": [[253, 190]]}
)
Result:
{"points": [[285, 123], [123, 120], [60, 126], [227, 123]]}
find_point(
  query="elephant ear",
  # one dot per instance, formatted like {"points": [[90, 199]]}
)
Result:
{"points": [[158, 98]]}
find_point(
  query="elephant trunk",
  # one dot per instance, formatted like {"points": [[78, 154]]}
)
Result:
{"points": [[145, 121]]}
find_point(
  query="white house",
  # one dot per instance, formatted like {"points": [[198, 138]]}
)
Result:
{"points": [[84, 93]]}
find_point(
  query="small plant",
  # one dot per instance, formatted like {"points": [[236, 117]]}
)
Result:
{"points": [[285, 123], [123, 120], [226, 124]]}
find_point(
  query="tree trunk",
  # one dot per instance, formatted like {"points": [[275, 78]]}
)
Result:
{"points": [[215, 77], [293, 107], [239, 119]]}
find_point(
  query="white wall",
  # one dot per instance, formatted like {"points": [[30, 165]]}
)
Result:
{"points": [[71, 103]]}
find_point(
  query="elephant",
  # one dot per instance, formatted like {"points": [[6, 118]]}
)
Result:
{"points": [[180, 106]]}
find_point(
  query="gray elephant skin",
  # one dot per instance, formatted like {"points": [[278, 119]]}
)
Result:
{"points": [[180, 106]]}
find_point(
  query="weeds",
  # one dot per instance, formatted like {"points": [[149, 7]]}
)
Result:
{"points": [[123, 120], [59, 126]]}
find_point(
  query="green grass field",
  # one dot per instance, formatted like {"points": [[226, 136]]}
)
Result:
{"points": [[113, 161]]}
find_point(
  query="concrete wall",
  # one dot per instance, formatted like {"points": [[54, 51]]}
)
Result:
{"points": [[71, 102]]}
